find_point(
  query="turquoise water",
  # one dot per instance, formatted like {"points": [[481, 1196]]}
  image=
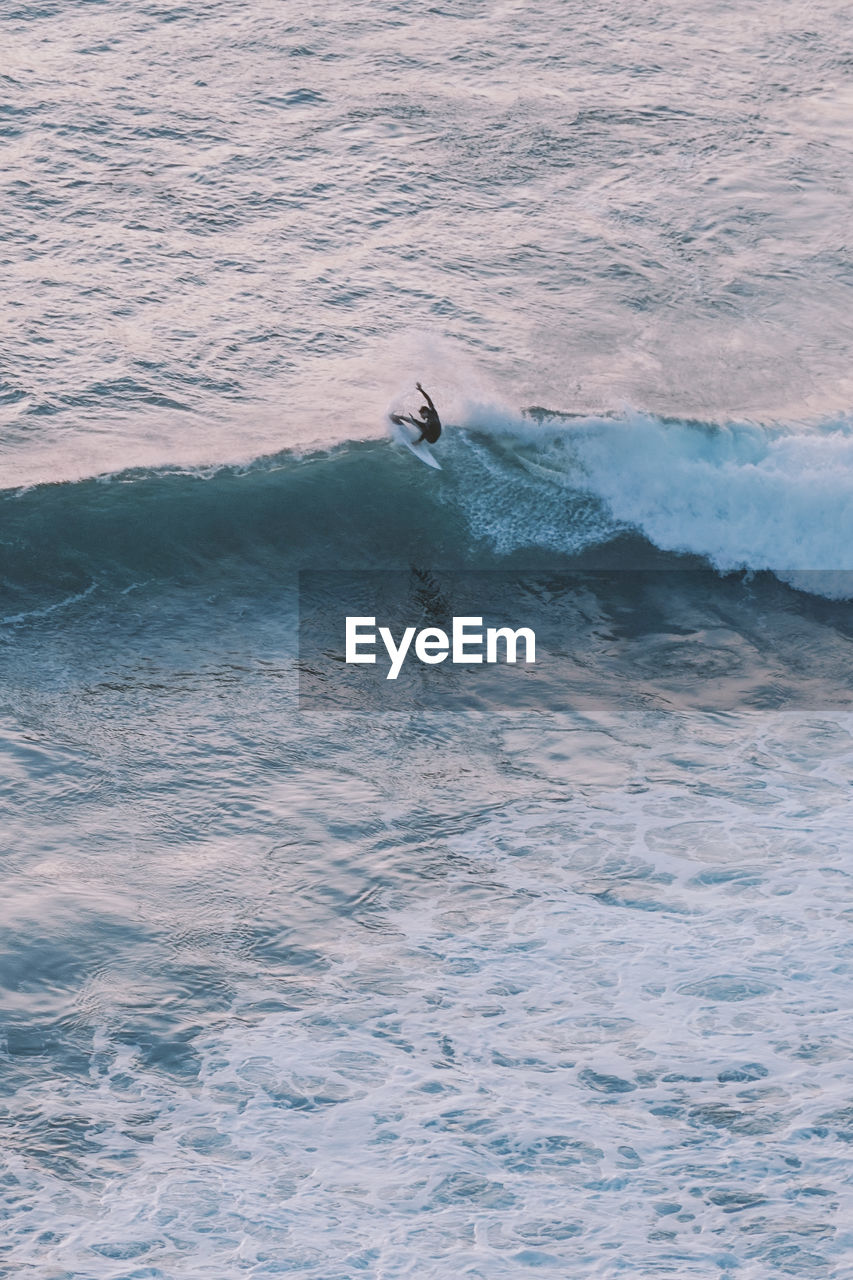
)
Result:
{"points": [[547, 975]]}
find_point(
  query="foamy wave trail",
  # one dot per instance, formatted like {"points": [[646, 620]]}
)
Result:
{"points": [[740, 496], [517, 490]]}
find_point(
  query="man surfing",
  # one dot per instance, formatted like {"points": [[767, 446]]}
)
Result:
{"points": [[429, 424]]}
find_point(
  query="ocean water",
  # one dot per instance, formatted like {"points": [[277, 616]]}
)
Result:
{"points": [[542, 974]]}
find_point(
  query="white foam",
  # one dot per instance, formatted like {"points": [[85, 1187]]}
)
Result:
{"points": [[604, 1035], [743, 496]]}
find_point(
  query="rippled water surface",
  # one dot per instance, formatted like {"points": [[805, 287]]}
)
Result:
{"points": [[230, 213], [547, 976]]}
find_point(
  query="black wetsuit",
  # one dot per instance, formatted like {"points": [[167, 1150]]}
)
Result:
{"points": [[430, 423], [430, 427]]}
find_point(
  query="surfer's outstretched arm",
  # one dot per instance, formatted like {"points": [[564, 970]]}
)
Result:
{"points": [[426, 396]]}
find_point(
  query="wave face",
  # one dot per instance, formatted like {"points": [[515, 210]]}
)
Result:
{"points": [[517, 490]]}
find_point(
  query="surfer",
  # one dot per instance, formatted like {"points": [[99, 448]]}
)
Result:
{"points": [[429, 424]]}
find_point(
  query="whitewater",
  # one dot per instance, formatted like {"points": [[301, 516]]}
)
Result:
{"points": [[542, 970]]}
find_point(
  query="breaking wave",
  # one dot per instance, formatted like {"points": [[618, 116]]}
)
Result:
{"points": [[518, 490]]}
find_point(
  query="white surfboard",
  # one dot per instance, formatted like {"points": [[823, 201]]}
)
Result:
{"points": [[404, 433]]}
